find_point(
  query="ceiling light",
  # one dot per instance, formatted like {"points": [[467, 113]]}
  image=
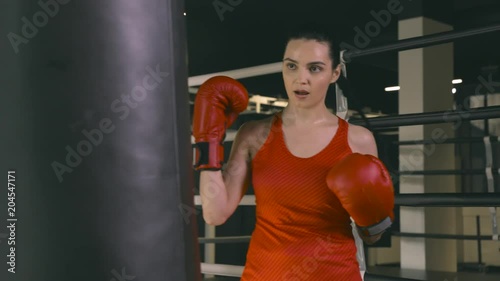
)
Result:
{"points": [[396, 88], [392, 89]]}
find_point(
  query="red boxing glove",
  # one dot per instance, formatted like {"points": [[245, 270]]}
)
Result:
{"points": [[217, 104], [364, 188]]}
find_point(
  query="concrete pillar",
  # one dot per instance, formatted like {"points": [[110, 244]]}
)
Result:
{"points": [[425, 78]]}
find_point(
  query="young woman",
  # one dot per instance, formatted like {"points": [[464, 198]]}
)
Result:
{"points": [[302, 230]]}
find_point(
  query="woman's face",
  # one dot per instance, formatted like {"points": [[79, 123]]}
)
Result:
{"points": [[307, 72]]}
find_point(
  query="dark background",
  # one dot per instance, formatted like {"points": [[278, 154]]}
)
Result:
{"points": [[253, 33]]}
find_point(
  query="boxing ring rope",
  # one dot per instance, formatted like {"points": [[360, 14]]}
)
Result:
{"points": [[449, 140], [224, 240], [413, 119], [400, 45], [421, 200], [378, 277], [441, 236], [422, 41], [448, 199], [222, 269], [485, 171], [238, 73], [431, 117], [246, 238]]}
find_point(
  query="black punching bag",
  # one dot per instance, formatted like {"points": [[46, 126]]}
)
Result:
{"points": [[95, 124]]}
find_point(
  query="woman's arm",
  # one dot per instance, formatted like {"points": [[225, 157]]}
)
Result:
{"points": [[221, 191], [361, 140]]}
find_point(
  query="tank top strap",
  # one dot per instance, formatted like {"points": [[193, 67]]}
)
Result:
{"points": [[343, 130], [274, 132], [339, 144]]}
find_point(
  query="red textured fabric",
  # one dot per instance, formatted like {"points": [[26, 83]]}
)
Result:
{"points": [[302, 232]]}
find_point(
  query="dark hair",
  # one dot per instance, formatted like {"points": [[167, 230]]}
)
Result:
{"points": [[319, 33], [322, 34]]}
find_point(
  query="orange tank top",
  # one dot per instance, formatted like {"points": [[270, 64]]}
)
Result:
{"points": [[301, 232]]}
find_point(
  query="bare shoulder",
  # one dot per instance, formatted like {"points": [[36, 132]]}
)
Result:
{"points": [[254, 133], [361, 140], [253, 127]]}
